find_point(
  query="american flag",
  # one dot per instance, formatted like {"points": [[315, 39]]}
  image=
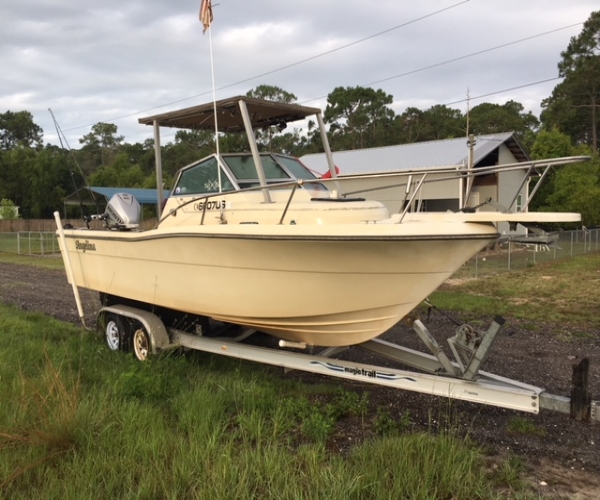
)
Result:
{"points": [[206, 15]]}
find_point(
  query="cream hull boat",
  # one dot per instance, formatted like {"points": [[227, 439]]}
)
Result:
{"points": [[257, 240], [322, 285]]}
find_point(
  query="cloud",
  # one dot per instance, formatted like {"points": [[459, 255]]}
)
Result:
{"points": [[115, 61]]}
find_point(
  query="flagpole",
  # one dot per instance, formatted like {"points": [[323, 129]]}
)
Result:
{"points": [[206, 18], [214, 92]]}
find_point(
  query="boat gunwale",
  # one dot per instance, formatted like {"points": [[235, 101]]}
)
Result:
{"points": [[144, 236]]}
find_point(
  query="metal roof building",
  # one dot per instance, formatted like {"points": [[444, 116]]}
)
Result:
{"points": [[418, 155], [488, 150], [91, 195]]}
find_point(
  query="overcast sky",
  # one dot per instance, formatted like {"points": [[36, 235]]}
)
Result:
{"points": [[115, 61]]}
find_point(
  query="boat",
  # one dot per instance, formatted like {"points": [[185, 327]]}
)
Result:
{"points": [[258, 240]]}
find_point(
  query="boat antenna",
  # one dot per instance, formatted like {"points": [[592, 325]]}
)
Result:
{"points": [[62, 136], [466, 190]]}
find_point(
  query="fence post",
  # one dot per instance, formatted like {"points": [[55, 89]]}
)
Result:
{"points": [[572, 243], [42, 243], [509, 253]]}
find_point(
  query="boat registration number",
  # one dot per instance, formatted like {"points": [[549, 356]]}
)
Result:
{"points": [[211, 205]]}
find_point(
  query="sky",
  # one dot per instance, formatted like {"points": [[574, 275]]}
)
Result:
{"points": [[116, 61]]}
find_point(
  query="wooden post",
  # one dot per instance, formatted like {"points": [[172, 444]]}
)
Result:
{"points": [[581, 398]]}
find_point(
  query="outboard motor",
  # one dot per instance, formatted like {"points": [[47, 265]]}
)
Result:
{"points": [[122, 212]]}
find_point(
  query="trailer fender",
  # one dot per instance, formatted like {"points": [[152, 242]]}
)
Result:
{"points": [[157, 333]]}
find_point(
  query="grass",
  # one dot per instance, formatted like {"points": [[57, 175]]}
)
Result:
{"points": [[551, 291], [47, 262], [79, 421], [8, 242], [524, 426]]}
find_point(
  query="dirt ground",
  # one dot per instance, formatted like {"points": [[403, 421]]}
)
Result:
{"points": [[561, 455]]}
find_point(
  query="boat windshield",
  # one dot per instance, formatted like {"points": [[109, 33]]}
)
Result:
{"points": [[239, 172], [244, 170], [202, 178], [278, 168]]}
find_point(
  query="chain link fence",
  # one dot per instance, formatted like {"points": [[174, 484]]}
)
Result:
{"points": [[510, 255], [37, 243]]}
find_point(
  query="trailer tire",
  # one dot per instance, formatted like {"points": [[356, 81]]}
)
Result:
{"points": [[114, 332], [141, 345]]}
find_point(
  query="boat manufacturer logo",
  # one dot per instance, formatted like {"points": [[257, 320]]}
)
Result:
{"points": [[211, 186], [210, 205], [113, 213], [84, 246]]}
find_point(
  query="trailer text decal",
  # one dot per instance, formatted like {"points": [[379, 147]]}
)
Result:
{"points": [[363, 372], [85, 245]]}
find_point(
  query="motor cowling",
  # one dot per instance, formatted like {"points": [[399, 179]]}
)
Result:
{"points": [[122, 212]]}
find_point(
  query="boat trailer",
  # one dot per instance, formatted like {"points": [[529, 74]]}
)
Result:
{"points": [[145, 334]]}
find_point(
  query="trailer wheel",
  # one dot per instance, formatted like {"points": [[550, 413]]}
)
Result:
{"points": [[141, 344], [113, 332]]}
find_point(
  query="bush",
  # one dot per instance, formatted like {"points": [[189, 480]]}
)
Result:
{"points": [[8, 210]]}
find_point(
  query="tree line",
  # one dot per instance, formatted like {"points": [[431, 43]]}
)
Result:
{"points": [[38, 177]]}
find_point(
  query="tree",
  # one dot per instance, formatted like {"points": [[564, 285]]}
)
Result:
{"points": [[16, 176], [195, 143], [141, 154], [551, 144], [19, 130], [358, 116], [49, 183], [120, 174], [488, 118], [271, 93], [571, 188], [548, 144], [8, 210], [276, 94], [574, 106], [577, 189], [443, 122], [411, 125], [188, 147], [102, 142], [438, 122]]}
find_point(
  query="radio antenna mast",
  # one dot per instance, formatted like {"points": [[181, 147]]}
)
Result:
{"points": [[62, 136]]}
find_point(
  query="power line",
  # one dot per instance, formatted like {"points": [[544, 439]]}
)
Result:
{"points": [[504, 90], [302, 61], [297, 63], [425, 68], [479, 52], [460, 58]]}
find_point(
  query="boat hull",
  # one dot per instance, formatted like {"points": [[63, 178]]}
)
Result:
{"points": [[327, 287]]}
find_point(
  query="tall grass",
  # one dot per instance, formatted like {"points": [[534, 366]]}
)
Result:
{"points": [[78, 421]]}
